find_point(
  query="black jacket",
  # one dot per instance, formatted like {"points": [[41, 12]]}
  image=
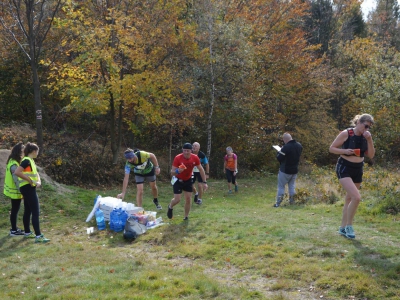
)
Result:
{"points": [[289, 157]]}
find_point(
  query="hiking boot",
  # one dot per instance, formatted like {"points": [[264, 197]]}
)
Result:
{"points": [[17, 232], [169, 213], [342, 231], [196, 197], [41, 239], [29, 235], [236, 188], [158, 206], [199, 202], [279, 200], [350, 232]]}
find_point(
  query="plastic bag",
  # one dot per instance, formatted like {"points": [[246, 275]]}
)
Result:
{"points": [[132, 225]]}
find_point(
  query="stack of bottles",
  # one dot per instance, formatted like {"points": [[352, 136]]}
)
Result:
{"points": [[118, 218]]}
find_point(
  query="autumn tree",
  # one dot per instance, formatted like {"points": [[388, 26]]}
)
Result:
{"points": [[27, 23], [319, 24], [289, 88], [372, 87], [384, 22], [124, 56]]}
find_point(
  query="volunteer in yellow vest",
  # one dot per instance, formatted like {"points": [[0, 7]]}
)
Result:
{"points": [[11, 187], [29, 179]]}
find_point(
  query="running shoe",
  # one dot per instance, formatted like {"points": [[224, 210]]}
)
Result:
{"points": [[169, 213], [350, 232], [230, 192], [199, 202], [17, 232], [29, 235], [342, 231], [276, 205], [186, 219], [41, 239], [158, 206]]}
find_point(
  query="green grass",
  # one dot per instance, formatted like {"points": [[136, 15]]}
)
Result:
{"points": [[233, 247]]}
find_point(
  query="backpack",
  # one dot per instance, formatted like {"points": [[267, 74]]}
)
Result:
{"points": [[133, 229]]}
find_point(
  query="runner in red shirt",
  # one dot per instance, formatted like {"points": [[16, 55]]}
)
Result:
{"points": [[182, 169]]}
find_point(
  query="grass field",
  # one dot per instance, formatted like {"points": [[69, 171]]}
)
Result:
{"points": [[233, 247]]}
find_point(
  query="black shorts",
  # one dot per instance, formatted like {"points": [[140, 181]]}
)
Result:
{"points": [[181, 185], [345, 168], [196, 175]]}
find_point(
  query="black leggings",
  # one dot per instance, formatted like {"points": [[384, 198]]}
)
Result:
{"points": [[230, 177], [31, 205], [15, 205]]}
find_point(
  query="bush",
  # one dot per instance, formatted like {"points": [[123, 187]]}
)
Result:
{"points": [[80, 162]]}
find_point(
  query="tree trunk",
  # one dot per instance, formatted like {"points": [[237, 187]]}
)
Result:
{"points": [[112, 130], [121, 107], [212, 92], [170, 151], [38, 106]]}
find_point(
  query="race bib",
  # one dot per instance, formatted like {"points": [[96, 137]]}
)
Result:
{"points": [[195, 169], [142, 166], [173, 180]]}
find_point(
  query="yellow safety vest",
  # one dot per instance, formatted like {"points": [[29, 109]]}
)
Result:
{"points": [[10, 189], [32, 174]]}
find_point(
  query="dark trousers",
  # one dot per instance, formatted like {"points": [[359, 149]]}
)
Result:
{"points": [[31, 205], [230, 177], [15, 205]]}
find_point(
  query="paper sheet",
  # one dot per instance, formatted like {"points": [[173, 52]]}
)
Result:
{"points": [[276, 147]]}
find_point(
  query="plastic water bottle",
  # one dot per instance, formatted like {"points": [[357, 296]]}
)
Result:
{"points": [[117, 220], [124, 217], [101, 224], [113, 219]]}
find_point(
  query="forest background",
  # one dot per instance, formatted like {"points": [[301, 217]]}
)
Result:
{"points": [[95, 77]]}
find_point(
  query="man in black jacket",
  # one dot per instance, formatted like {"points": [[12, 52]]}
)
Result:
{"points": [[288, 157]]}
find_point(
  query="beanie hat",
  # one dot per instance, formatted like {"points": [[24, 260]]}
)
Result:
{"points": [[187, 146]]}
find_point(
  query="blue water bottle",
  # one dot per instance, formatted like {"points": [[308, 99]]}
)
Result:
{"points": [[113, 219], [118, 226], [101, 224], [124, 217]]}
